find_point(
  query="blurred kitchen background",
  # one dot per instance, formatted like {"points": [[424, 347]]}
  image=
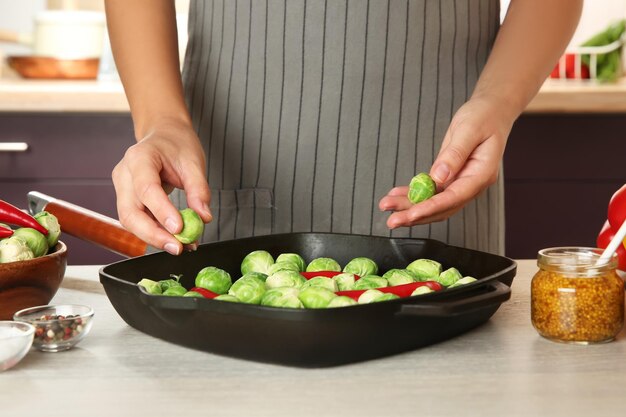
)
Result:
{"points": [[63, 134]]}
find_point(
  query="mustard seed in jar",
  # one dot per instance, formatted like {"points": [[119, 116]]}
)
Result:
{"points": [[574, 300]]}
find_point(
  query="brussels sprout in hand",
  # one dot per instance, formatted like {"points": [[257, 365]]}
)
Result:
{"points": [[323, 264], [51, 224], [248, 289], [370, 282], [193, 227], [35, 240], [175, 291], [257, 261], [13, 249], [345, 281], [361, 267], [369, 296], [449, 277], [151, 287], [316, 297], [214, 279], [341, 301], [293, 258], [285, 278], [421, 188], [227, 297], [421, 290], [285, 297], [283, 266], [398, 277], [424, 269], [323, 282], [463, 281]]}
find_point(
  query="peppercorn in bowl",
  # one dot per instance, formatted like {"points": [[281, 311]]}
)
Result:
{"points": [[57, 327]]}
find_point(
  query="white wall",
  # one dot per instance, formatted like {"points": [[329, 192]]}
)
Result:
{"points": [[18, 16]]}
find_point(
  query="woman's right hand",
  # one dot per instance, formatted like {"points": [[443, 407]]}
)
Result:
{"points": [[168, 156]]}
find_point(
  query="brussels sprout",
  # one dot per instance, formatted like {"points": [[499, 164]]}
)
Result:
{"points": [[323, 282], [283, 266], [422, 290], [151, 287], [385, 297], [169, 283], [193, 294], [257, 261], [370, 282], [421, 188], [316, 297], [51, 224], [293, 258], [14, 249], [177, 290], [344, 281], [369, 296], [248, 289], [449, 277], [34, 239], [193, 227], [463, 281], [398, 277], [214, 279], [323, 264], [286, 297], [361, 267], [227, 297], [341, 301], [424, 269], [285, 278], [259, 275]]}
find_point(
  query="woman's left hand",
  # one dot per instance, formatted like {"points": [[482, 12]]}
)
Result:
{"points": [[468, 162]]}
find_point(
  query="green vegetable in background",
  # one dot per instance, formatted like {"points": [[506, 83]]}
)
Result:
{"points": [[193, 227], [398, 277], [257, 261], [284, 297], [369, 296], [214, 279], [345, 281], [293, 258], [323, 264], [361, 267], [370, 282], [422, 187], [285, 278], [316, 297], [14, 249], [35, 240], [51, 224], [175, 291], [282, 266], [151, 287], [449, 277], [172, 282], [341, 301], [323, 282], [248, 289], [609, 64], [227, 297], [424, 269]]}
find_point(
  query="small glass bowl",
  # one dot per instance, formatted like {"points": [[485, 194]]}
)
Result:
{"points": [[57, 327], [15, 341]]}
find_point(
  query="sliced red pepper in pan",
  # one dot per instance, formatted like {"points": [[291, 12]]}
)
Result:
{"points": [[205, 293], [12, 215], [327, 274], [403, 290], [5, 232]]}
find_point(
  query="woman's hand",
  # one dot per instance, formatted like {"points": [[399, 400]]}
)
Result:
{"points": [[468, 162], [168, 156]]}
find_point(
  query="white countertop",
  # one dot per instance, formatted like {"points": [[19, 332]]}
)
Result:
{"points": [[502, 368]]}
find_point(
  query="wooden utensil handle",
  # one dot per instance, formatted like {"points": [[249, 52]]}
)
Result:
{"points": [[96, 228]]}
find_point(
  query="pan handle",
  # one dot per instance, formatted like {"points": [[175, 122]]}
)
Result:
{"points": [[495, 293], [88, 225]]}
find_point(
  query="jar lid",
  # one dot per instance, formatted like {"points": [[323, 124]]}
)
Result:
{"points": [[578, 261]]}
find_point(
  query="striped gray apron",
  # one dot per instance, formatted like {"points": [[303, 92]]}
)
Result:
{"points": [[310, 111]]}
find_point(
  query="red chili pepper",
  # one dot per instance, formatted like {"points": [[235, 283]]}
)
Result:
{"points": [[12, 215], [205, 293], [403, 290], [327, 274], [5, 232]]}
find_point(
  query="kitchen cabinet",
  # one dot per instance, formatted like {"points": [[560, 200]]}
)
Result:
{"points": [[69, 156]]}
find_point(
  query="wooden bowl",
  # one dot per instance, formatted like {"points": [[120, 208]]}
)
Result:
{"points": [[42, 67], [31, 283]]}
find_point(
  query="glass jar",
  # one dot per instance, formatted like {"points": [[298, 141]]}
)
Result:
{"points": [[573, 300]]}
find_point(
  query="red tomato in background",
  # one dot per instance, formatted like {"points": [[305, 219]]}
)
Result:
{"points": [[617, 208], [570, 68], [604, 238]]}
